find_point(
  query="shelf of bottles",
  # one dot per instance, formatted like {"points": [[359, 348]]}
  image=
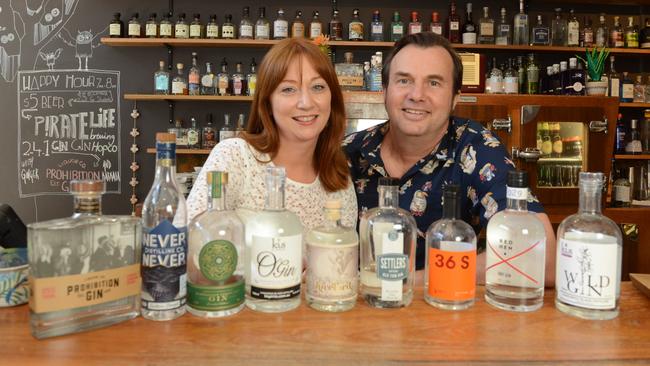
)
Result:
{"points": [[634, 105], [562, 147], [152, 150], [170, 97], [632, 157]]}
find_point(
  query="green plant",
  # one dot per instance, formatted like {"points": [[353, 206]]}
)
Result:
{"points": [[595, 62]]}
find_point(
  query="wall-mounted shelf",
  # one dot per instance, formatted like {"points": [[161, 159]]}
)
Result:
{"points": [[634, 105], [168, 97], [632, 157], [152, 150]]}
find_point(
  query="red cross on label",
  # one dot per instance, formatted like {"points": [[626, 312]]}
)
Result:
{"points": [[507, 261]]}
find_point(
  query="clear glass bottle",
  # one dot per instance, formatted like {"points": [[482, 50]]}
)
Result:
{"points": [[355, 27], [621, 191], [208, 80], [280, 26], [298, 26], [521, 73], [573, 30], [627, 88], [194, 77], [151, 27], [332, 257], [602, 32], [238, 81], [164, 239], [228, 30], [486, 28], [396, 28], [241, 125], [350, 75], [335, 27], [634, 145], [494, 82], [469, 28], [251, 79], [388, 237], [161, 79], [436, 26], [503, 29], [223, 79], [532, 75], [453, 24], [179, 82], [587, 34], [515, 253], [376, 27], [227, 130], [180, 132], [613, 79], [315, 26], [521, 26], [135, 28], [246, 25], [208, 134], [639, 89], [88, 250], [616, 37], [647, 91], [631, 34], [450, 265], [511, 79], [540, 34], [262, 25], [215, 282], [166, 28], [116, 27], [559, 29], [212, 28], [589, 256], [415, 26], [273, 236], [181, 29], [193, 135], [196, 28]]}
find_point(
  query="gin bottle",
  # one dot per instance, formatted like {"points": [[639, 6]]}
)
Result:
{"points": [[237, 81], [511, 79], [262, 26], [616, 38], [376, 27], [436, 25], [151, 27], [388, 237], [494, 82], [515, 253], [161, 79], [631, 34], [193, 135], [589, 251], [228, 28], [559, 29], [166, 27], [415, 26], [196, 28], [179, 82], [504, 33], [469, 28], [335, 27], [350, 75], [208, 80], [164, 239], [450, 266], [573, 30], [521, 26], [251, 79], [84, 270], [453, 24], [209, 135], [246, 25], [332, 259], [227, 130], [223, 79], [241, 125], [540, 34], [135, 29], [396, 28], [194, 79], [182, 29], [215, 283], [298, 26], [273, 254], [602, 33], [486, 28], [355, 27], [116, 27], [212, 28], [280, 26], [315, 26]]}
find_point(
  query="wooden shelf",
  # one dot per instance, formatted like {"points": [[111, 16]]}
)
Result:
{"points": [[152, 42], [152, 150], [632, 157], [154, 97], [634, 105]]}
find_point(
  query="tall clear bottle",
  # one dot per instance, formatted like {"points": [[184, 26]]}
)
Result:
{"points": [[388, 238], [273, 255], [602, 33], [246, 25], [179, 82], [515, 253], [589, 252], [215, 270], [450, 266], [194, 77], [315, 26], [573, 30], [332, 259], [262, 26], [486, 28], [503, 30], [161, 79], [164, 239], [559, 29], [521, 26]]}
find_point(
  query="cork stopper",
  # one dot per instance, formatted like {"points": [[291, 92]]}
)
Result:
{"points": [[165, 137], [333, 204], [87, 186], [333, 209]]}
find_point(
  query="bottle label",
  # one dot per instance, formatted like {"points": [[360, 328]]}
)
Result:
{"points": [[228, 31], [577, 86], [573, 38], [392, 264], [165, 30], [192, 137], [452, 271], [222, 84], [494, 85], [332, 273], [115, 29], [377, 29], [280, 29], [237, 85], [207, 80], [195, 31], [515, 193], [415, 28], [487, 29], [437, 29], [165, 150], [634, 146], [178, 87], [588, 272], [454, 25], [614, 87], [182, 30], [632, 40], [541, 36], [151, 30], [589, 38], [645, 44], [298, 30], [511, 84], [134, 30], [469, 38], [251, 84], [164, 276], [246, 30], [262, 31], [398, 29], [225, 134], [355, 31], [276, 267], [621, 193], [628, 91], [557, 147], [215, 298], [162, 83], [209, 138], [212, 31], [315, 30], [193, 79], [513, 263]]}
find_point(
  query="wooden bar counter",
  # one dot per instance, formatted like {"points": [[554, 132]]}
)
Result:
{"points": [[419, 334]]}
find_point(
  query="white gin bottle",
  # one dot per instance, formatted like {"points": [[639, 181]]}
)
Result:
{"points": [[164, 239], [588, 267], [450, 266], [273, 255], [215, 283], [332, 260], [515, 253], [388, 238]]}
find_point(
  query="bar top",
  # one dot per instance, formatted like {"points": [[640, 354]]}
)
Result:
{"points": [[416, 334]]}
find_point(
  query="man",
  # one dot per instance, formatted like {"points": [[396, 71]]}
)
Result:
{"points": [[424, 146]]}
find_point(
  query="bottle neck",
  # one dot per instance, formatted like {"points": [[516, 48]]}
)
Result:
{"points": [[332, 218], [388, 196], [451, 208], [86, 204], [517, 198], [217, 200], [590, 200]]}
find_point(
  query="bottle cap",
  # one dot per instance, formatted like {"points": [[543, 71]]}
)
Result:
{"points": [[87, 186], [592, 181], [518, 179], [388, 181], [165, 137]]}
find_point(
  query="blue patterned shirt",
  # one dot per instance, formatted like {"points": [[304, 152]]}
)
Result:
{"points": [[472, 157]]}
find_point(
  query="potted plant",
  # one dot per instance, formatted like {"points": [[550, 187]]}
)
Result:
{"points": [[594, 62]]}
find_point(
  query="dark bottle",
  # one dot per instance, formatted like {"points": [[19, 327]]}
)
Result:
{"points": [[556, 140], [135, 28], [336, 27], [621, 133], [453, 24], [116, 28], [540, 33], [575, 79], [587, 34], [521, 72], [644, 35], [469, 28], [151, 27]]}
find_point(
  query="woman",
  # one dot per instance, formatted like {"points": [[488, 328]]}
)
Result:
{"points": [[297, 121]]}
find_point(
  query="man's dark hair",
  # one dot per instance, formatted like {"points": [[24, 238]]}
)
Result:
{"points": [[425, 40]]}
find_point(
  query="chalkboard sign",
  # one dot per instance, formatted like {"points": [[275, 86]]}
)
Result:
{"points": [[68, 128]]}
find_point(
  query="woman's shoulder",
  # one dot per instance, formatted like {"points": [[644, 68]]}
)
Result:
{"points": [[235, 147]]}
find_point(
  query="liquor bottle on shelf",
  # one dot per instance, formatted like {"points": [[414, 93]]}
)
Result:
{"points": [[435, 26], [164, 239], [298, 26], [179, 82], [332, 257], [631, 34], [181, 29], [486, 28], [503, 29], [262, 26], [547, 144], [521, 26], [180, 132], [166, 28], [238, 81], [647, 91], [621, 191], [415, 25], [616, 38], [223, 79], [532, 75], [208, 134], [556, 140], [193, 135], [335, 27], [627, 88], [634, 145], [227, 130], [587, 34], [215, 282], [95, 280], [246, 26], [589, 253], [602, 33], [573, 30], [315, 26], [151, 27], [212, 28], [116, 27], [388, 239], [540, 34], [621, 135], [241, 125], [350, 75], [561, 78], [228, 30], [575, 80], [494, 82], [161, 79], [453, 24], [450, 265], [274, 232], [376, 27], [521, 74], [613, 79], [396, 28], [374, 78], [194, 77], [511, 79], [355, 27], [196, 28], [208, 80], [251, 79], [135, 28], [280, 26], [639, 89], [469, 28], [515, 254], [644, 35], [559, 29]]}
